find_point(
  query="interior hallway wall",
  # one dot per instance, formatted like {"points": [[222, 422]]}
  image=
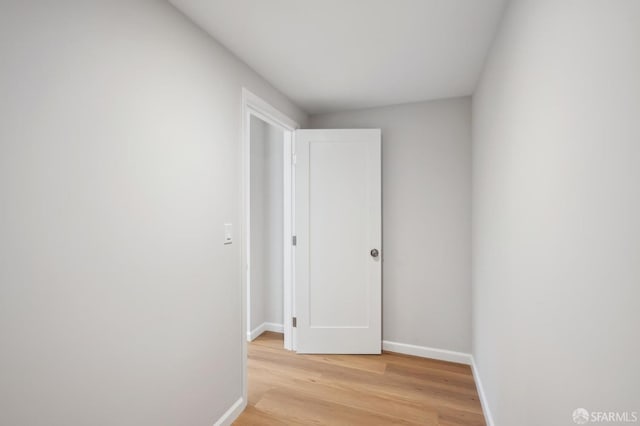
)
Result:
{"points": [[267, 224], [120, 162], [426, 218], [556, 155]]}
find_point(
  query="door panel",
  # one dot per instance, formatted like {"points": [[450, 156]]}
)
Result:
{"points": [[338, 223]]}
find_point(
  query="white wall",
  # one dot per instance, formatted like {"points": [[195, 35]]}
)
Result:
{"points": [[267, 221], [557, 212], [258, 198], [119, 163], [274, 222], [426, 186]]}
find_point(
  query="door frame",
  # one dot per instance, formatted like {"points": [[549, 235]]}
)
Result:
{"points": [[254, 106]]}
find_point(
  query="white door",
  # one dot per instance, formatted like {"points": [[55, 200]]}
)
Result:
{"points": [[338, 221]]}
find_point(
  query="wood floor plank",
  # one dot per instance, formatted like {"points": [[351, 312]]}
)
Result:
{"points": [[370, 363], [299, 408], [333, 392], [411, 391], [457, 381], [254, 416], [290, 389]]}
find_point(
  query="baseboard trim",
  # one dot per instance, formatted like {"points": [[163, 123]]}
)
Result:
{"points": [[265, 326], [426, 352], [445, 355], [488, 417], [232, 413]]}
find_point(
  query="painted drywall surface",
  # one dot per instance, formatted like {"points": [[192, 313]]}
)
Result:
{"points": [[119, 163], [426, 195], [266, 224], [274, 223], [257, 223], [375, 53], [556, 264]]}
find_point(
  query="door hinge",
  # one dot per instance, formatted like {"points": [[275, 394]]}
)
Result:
{"points": [[294, 321], [294, 240]]}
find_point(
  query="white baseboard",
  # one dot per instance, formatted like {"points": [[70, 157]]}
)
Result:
{"points": [[232, 413], [445, 355], [426, 352], [265, 326], [483, 397]]}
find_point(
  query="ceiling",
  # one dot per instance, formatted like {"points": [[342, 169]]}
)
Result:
{"points": [[330, 55]]}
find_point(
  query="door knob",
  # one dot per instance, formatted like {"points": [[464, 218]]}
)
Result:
{"points": [[374, 253]]}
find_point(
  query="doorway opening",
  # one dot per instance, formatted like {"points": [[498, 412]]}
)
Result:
{"points": [[336, 259], [266, 221], [267, 228]]}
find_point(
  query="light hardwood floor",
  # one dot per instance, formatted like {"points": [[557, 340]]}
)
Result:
{"points": [[389, 389]]}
